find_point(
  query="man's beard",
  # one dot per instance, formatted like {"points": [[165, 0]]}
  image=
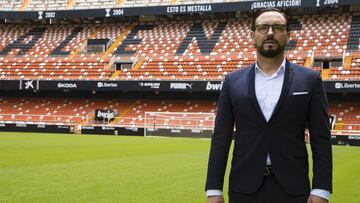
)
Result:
{"points": [[269, 53]]}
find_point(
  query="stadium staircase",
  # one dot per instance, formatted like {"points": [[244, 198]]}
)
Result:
{"points": [[115, 74], [70, 4], [347, 63], [308, 62], [325, 74], [120, 2], [354, 34], [117, 42], [123, 113], [24, 4], [138, 64]]}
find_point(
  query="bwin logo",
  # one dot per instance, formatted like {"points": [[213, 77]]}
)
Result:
{"points": [[29, 84], [107, 12], [40, 14], [215, 87], [107, 115]]}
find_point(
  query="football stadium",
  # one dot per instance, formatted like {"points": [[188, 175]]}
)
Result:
{"points": [[115, 100]]}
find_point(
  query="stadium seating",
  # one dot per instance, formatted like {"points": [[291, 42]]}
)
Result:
{"points": [[86, 4], [46, 5], [233, 49], [352, 73], [8, 5], [131, 112], [199, 68], [201, 50], [135, 116], [42, 110], [325, 35], [53, 68], [347, 115], [52, 55]]}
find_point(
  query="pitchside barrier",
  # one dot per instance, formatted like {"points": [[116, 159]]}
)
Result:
{"points": [[112, 130], [40, 123], [41, 128], [170, 124], [349, 140]]}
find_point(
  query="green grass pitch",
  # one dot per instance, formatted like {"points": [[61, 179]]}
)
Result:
{"points": [[52, 168]]}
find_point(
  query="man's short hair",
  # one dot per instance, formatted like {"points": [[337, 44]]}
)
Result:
{"points": [[258, 13]]}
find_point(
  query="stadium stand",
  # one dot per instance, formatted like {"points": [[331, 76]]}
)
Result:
{"points": [[131, 111], [47, 53], [53, 68], [42, 110], [135, 116], [176, 49]]}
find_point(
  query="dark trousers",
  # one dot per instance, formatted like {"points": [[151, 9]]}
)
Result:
{"points": [[269, 192]]}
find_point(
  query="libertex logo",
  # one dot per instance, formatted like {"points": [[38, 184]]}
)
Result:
{"points": [[345, 85]]}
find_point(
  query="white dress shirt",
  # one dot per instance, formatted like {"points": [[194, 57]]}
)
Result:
{"points": [[268, 90]]}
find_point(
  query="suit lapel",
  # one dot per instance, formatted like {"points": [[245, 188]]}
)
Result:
{"points": [[252, 94], [289, 73]]}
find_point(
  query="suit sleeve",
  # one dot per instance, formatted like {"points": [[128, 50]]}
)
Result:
{"points": [[221, 140], [320, 138]]}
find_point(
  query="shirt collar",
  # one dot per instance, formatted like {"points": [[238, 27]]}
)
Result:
{"points": [[281, 69]]}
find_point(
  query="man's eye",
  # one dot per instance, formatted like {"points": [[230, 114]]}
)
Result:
{"points": [[264, 27]]}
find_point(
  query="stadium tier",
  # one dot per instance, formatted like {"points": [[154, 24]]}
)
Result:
{"points": [[163, 50], [131, 113]]}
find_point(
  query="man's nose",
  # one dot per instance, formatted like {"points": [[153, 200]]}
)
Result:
{"points": [[270, 31]]}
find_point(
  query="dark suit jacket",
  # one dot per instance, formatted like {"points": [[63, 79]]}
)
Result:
{"points": [[282, 136]]}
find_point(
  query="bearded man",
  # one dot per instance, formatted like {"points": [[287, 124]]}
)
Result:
{"points": [[271, 103]]}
